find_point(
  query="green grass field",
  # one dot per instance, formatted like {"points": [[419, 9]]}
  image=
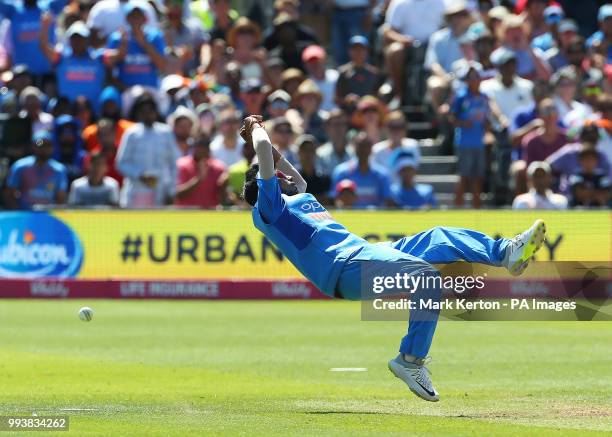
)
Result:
{"points": [[160, 368]]}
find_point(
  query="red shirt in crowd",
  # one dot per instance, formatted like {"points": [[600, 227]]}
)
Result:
{"points": [[206, 193]]}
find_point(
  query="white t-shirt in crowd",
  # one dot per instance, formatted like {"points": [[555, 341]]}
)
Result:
{"points": [[509, 100], [573, 114], [108, 16], [416, 18], [225, 155], [327, 86], [381, 152], [532, 200], [83, 194]]}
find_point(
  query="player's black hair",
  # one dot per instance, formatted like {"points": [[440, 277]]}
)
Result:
{"points": [[250, 189]]}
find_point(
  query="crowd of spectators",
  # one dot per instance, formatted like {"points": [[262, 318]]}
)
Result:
{"points": [[138, 104]]}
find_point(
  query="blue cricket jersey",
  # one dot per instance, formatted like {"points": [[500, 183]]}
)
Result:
{"points": [[305, 233]]}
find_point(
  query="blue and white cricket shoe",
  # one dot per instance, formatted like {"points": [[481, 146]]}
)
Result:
{"points": [[522, 248], [416, 377]]}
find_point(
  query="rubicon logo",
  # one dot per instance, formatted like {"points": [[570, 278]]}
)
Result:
{"points": [[36, 245]]}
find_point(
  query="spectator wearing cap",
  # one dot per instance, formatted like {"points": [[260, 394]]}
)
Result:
{"points": [[170, 92], [318, 184], [357, 78], [291, 80], [278, 103], [282, 135], [553, 15], [227, 145], [407, 21], [396, 126], [589, 186], [314, 58], [25, 18], [109, 103], [513, 35], [185, 126], [195, 94], [275, 68], [185, 35], [600, 40], [407, 193], [540, 195], [137, 53], [469, 112], [443, 48], [201, 179], [307, 115], [373, 186], [495, 17], [558, 55], [30, 101], [345, 194], [252, 96], [108, 16], [147, 159], [565, 161], [289, 8], [348, 19], [508, 91], [79, 70], [565, 88], [95, 188], [37, 179], [336, 150]]}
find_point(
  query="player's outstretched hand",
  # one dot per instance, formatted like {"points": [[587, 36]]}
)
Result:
{"points": [[249, 123]]}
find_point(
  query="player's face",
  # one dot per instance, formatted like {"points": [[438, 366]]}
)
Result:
{"points": [[286, 183]]}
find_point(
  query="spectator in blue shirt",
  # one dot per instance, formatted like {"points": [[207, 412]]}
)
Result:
{"points": [[469, 113], [138, 53], [552, 17], [79, 70], [600, 39], [25, 18], [36, 179], [372, 181], [407, 193]]}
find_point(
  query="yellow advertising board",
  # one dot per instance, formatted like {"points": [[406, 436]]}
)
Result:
{"points": [[225, 244]]}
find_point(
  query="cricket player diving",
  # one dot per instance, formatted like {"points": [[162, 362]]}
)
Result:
{"points": [[339, 262]]}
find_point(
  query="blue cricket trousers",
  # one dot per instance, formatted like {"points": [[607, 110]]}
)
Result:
{"points": [[415, 255]]}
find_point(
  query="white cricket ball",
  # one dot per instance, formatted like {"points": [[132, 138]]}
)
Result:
{"points": [[86, 314]]}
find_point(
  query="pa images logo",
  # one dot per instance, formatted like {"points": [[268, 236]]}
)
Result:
{"points": [[38, 245]]}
